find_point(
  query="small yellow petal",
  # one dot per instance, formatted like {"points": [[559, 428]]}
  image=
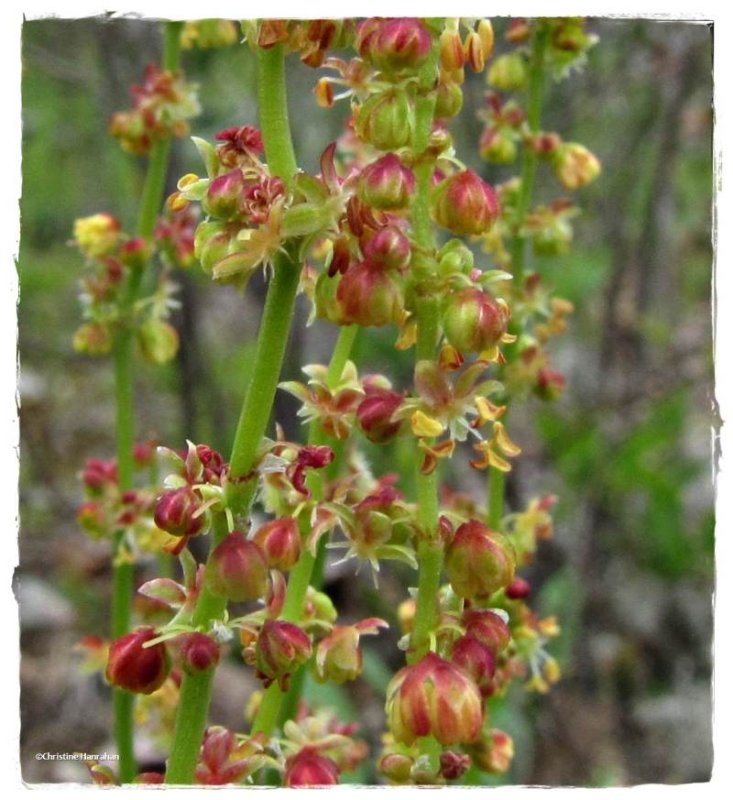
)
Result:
{"points": [[488, 411], [187, 180], [501, 437], [407, 337], [423, 425], [498, 462]]}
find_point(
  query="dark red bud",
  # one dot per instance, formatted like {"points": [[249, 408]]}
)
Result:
{"points": [[476, 659], [176, 512], [488, 628], [369, 296], [518, 589], [280, 542], [198, 652], [136, 668], [224, 194], [237, 569], [389, 248], [453, 765], [281, 648], [374, 415]]}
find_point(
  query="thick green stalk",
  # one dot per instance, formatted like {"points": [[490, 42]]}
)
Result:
{"points": [[429, 551], [427, 312], [122, 570], [271, 344], [540, 35]]}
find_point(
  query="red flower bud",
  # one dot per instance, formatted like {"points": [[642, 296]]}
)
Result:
{"points": [[224, 194], [281, 648], [143, 453], [176, 512], [465, 204], [136, 668], [478, 561], [518, 589], [494, 753], [369, 296], [308, 768], [98, 473], [386, 184], [453, 765], [280, 542], [389, 248], [198, 652], [223, 760], [434, 698], [385, 120], [475, 659], [237, 569], [474, 320], [393, 44], [135, 253], [488, 628], [150, 777], [374, 415]]}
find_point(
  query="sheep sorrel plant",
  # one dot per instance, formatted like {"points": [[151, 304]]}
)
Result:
{"points": [[394, 231]]}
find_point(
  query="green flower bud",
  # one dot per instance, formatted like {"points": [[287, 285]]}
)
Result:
{"points": [[385, 120]]}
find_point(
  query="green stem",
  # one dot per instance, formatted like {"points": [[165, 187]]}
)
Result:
{"points": [[497, 478], [122, 570], [427, 313], [529, 156], [274, 121], [341, 352], [496, 498], [255, 414], [271, 345], [309, 568]]}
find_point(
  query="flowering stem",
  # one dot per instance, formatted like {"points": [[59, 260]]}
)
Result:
{"points": [[310, 565], [429, 552], [271, 344], [518, 244], [529, 156], [122, 568], [427, 313]]}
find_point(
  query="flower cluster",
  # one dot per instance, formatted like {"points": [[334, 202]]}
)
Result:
{"points": [[393, 230], [162, 106], [115, 262]]}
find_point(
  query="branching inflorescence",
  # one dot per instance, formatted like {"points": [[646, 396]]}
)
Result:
{"points": [[395, 230]]}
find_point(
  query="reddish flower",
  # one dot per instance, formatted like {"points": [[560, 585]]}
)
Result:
{"points": [[434, 698], [308, 768], [237, 569], [465, 204], [134, 667]]}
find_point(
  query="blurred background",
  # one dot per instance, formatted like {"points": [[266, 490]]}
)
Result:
{"points": [[627, 448]]}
